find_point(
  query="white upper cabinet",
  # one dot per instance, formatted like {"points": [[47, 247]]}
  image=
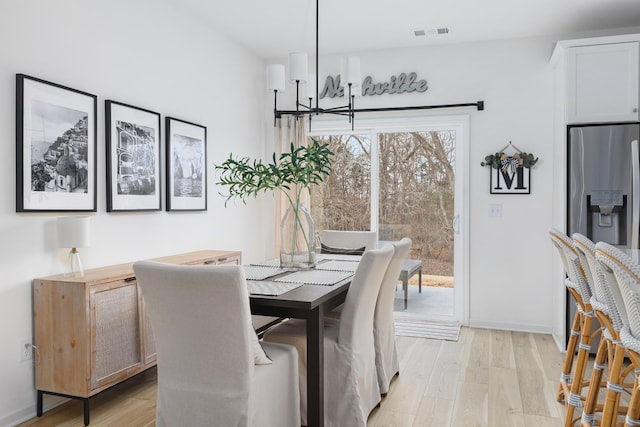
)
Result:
{"points": [[603, 83]]}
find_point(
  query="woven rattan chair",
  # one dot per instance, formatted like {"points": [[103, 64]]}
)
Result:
{"points": [[572, 376], [606, 311], [625, 284]]}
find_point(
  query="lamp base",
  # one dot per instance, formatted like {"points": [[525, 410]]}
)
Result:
{"points": [[74, 265]]}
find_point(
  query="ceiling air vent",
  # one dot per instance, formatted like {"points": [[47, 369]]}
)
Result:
{"points": [[432, 32]]}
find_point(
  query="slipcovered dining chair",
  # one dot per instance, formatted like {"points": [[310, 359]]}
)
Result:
{"points": [[384, 331], [212, 370], [351, 388], [610, 351], [572, 376], [349, 239]]}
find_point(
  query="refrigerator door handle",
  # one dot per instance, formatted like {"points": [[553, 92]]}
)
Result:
{"points": [[635, 187]]}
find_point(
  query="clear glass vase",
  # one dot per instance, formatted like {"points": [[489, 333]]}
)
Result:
{"points": [[297, 239]]}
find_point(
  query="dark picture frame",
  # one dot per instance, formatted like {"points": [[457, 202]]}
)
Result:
{"points": [[56, 136], [133, 144], [505, 182], [186, 157]]}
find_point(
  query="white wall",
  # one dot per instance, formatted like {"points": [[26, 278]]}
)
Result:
{"points": [[149, 54], [510, 257]]}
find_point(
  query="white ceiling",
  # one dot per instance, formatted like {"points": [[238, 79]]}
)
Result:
{"points": [[273, 28]]}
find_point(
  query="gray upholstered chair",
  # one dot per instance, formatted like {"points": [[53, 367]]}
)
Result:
{"points": [[350, 378], [211, 367], [384, 331]]}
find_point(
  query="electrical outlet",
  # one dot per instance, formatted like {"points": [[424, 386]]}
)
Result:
{"points": [[26, 350]]}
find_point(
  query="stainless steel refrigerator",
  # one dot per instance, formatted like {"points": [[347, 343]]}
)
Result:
{"points": [[603, 194]]}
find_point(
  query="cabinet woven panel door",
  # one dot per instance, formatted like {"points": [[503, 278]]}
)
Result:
{"points": [[117, 334]]}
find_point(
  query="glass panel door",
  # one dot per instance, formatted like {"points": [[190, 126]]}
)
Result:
{"points": [[343, 200], [416, 198]]}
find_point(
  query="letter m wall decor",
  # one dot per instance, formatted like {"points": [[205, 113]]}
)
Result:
{"points": [[510, 178]]}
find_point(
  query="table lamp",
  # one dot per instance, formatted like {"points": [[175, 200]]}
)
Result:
{"points": [[73, 232]]}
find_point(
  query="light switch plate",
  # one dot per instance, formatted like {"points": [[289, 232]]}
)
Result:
{"points": [[495, 210]]}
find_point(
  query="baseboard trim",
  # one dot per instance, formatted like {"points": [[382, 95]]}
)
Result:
{"points": [[515, 327], [29, 412]]}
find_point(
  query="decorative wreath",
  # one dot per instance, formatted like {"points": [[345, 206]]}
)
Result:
{"points": [[509, 163]]}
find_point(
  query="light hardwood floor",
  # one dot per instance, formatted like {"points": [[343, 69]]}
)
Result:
{"points": [[487, 378]]}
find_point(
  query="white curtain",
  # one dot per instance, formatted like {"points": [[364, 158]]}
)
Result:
{"points": [[288, 129]]}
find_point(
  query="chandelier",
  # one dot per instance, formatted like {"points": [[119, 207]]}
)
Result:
{"points": [[350, 79]]}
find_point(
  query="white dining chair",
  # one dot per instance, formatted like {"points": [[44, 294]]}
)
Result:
{"points": [[351, 389], [384, 331], [207, 351], [349, 239]]}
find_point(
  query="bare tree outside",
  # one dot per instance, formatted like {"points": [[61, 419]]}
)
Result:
{"points": [[343, 200], [416, 192]]}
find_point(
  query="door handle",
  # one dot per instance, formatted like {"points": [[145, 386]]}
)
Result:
{"points": [[635, 196], [455, 223]]}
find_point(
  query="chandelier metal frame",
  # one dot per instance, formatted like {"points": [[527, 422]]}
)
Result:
{"points": [[348, 110]]}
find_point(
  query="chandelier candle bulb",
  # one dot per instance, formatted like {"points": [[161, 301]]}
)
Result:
{"points": [[298, 67], [275, 74]]}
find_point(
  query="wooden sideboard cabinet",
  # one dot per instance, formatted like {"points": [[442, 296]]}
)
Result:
{"points": [[92, 332]]}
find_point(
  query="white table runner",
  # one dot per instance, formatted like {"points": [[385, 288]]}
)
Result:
{"points": [[273, 262], [315, 277], [261, 272], [337, 265], [270, 288]]}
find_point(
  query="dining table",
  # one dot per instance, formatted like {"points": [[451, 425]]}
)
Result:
{"points": [[297, 294]]}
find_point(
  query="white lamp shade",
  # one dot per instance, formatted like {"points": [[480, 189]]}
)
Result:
{"points": [[298, 67], [74, 232], [275, 76], [350, 71], [309, 89]]}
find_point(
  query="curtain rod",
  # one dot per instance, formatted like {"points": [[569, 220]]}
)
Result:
{"points": [[479, 105]]}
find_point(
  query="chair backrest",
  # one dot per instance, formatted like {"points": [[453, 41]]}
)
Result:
{"points": [[356, 320], [350, 239], [200, 319], [626, 275], [384, 305], [577, 278], [600, 286]]}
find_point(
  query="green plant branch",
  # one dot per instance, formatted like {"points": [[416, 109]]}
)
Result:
{"points": [[300, 167], [494, 161], [303, 166]]}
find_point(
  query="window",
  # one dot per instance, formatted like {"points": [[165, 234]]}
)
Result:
{"points": [[409, 186]]}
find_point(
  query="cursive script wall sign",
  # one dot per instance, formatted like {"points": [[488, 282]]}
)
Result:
{"points": [[396, 84]]}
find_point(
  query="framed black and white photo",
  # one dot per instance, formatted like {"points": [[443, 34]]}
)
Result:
{"points": [[133, 158], [186, 165], [55, 147]]}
